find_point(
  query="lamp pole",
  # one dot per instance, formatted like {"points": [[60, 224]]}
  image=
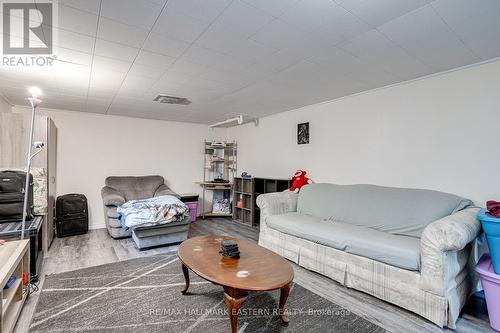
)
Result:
{"points": [[34, 101]]}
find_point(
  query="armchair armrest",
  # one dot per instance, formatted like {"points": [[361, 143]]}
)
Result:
{"points": [[445, 251], [276, 204], [112, 197], [165, 190]]}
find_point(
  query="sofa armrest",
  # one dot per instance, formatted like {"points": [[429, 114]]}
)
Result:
{"points": [[276, 204], [445, 251], [453, 232], [165, 190], [112, 197]]}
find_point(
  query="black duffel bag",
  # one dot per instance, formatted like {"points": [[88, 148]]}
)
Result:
{"points": [[12, 196], [72, 217]]}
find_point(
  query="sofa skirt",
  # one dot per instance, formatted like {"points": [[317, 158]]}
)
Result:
{"points": [[389, 283]]}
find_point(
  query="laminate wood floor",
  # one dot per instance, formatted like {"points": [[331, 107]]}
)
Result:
{"points": [[97, 248]]}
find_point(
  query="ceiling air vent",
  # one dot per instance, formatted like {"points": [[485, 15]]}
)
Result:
{"points": [[172, 100]]}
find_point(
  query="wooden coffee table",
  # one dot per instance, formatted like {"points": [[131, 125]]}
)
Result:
{"points": [[257, 270]]}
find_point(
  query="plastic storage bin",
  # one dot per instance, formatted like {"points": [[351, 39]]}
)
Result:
{"points": [[191, 200], [491, 285], [491, 227]]}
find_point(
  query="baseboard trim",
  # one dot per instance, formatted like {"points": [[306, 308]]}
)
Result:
{"points": [[97, 226]]}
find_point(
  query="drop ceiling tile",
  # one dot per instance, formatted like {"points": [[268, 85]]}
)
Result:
{"points": [[225, 77], [251, 49], [113, 50], [180, 26], [310, 15], [96, 108], [120, 110], [284, 58], [220, 38], [70, 106], [71, 75], [105, 63], [76, 20], [137, 85], [306, 70], [201, 96], [342, 25], [379, 12], [91, 6], [477, 25], [121, 33], [127, 98], [154, 59], [146, 71], [326, 36], [210, 58], [186, 68], [244, 18], [338, 59], [199, 9], [110, 80], [141, 14], [72, 56], [123, 100], [374, 48], [171, 89], [280, 35], [100, 100], [455, 12], [120, 105], [74, 41], [275, 7], [373, 76], [204, 84], [165, 45], [171, 80], [76, 91], [425, 36], [102, 93]]}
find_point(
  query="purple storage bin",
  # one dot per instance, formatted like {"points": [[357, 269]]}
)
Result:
{"points": [[191, 200], [491, 285], [193, 210]]}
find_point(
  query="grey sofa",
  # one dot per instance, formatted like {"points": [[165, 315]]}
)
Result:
{"points": [[406, 246], [120, 189]]}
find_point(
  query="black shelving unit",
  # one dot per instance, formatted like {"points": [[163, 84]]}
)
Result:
{"points": [[245, 193]]}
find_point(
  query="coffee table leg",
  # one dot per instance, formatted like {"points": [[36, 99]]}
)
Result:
{"points": [[186, 278], [234, 298], [283, 297]]}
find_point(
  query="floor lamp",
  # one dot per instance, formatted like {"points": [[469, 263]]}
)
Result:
{"points": [[34, 101]]}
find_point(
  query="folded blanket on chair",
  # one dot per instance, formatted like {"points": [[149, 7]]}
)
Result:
{"points": [[151, 212]]}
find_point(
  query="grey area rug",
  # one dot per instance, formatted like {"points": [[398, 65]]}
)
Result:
{"points": [[143, 295]]}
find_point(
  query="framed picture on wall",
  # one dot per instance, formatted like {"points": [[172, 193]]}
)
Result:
{"points": [[303, 133]]}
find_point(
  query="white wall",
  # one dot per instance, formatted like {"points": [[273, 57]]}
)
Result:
{"points": [[4, 105], [91, 147], [440, 132]]}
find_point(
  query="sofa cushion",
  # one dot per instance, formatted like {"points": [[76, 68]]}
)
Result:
{"points": [[135, 188], [398, 211], [395, 250]]}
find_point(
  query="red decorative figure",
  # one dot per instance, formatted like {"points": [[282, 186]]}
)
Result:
{"points": [[299, 179]]}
